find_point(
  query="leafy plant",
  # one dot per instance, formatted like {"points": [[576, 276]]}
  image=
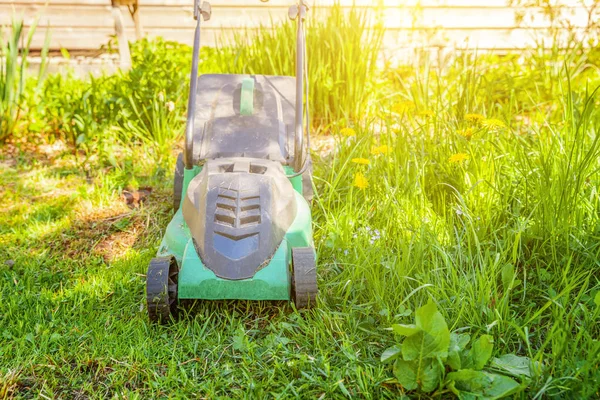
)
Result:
{"points": [[431, 357], [79, 111], [13, 73], [151, 97]]}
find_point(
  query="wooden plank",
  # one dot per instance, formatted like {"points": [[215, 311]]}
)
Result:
{"points": [[487, 39], [286, 3], [486, 24], [182, 17], [82, 39]]}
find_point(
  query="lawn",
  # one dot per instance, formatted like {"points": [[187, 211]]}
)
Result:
{"points": [[463, 192]]}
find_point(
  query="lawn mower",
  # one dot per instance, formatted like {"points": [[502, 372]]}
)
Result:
{"points": [[242, 190]]}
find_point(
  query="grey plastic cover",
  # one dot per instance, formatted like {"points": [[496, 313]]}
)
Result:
{"points": [[221, 131], [238, 211]]}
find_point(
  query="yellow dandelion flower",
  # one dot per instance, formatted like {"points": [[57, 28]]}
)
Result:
{"points": [[383, 149], [493, 123], [362, 161], [458, 158], [426, 113], [474, 117], [360, 181], [348, 132], [404, 107], [466, 133]]}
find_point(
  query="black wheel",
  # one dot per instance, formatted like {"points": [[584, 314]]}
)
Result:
{"points": [[178, 182], [161, 288], [307, 187], [304, 277]]}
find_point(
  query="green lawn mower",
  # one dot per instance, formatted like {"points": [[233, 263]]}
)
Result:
{"points": [[242, 191]]}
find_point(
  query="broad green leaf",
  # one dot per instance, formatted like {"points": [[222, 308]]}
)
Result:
{"points": [[454, 360], [597, 299], [391, 353], [406, 373], [413, 374], [513, 365], [508, 274], [481, 352], [430, 376], [468, 383], [433, 338], [457, 343], [405, 330]]}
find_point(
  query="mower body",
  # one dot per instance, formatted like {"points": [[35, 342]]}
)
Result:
{"points": [[238, 214]]}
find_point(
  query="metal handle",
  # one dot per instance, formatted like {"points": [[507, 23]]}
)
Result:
{"points": [[204, 11], [298, 12]]}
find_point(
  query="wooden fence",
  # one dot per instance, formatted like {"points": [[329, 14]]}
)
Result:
{"points": [[483, 24]]}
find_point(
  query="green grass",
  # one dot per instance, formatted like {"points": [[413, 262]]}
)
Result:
{"points": [[484, 200], [75, 324]]}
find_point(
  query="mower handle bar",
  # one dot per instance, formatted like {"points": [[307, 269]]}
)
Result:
{"points": [[202, 11]]}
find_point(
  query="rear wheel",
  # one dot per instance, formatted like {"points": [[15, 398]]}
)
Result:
{"points": [[161, 288], [304, 277], [178, 182]]}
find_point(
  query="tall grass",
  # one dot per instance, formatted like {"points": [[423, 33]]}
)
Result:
{"points": [[14, 49], [505, 239], [342, 50]]}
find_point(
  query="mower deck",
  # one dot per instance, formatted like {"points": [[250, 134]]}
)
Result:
{"points": [[271, 282]]}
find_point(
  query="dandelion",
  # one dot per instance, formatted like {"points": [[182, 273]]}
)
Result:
{"points": [[458, 158], [362, 161], [475, 118], [426, 114], [493, 123], [170, 106], [348, 132], [404, 107], [360, 181], [383, 149], [466, 133]]}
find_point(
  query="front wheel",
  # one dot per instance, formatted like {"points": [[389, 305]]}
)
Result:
{"points": [[304, 277], [161, 288]]}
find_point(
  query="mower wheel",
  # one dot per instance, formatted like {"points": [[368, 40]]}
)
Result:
{"points": [[161, 288], [178, 182], [304, 277]]}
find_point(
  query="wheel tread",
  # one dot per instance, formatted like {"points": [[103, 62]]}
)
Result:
{"points": [[304, 277], [161, 288]]}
